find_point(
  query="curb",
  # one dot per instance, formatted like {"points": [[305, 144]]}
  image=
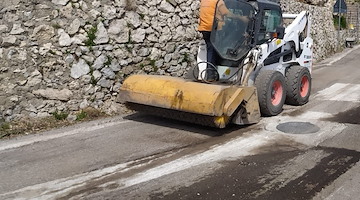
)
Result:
{"points": [[336, 57]]}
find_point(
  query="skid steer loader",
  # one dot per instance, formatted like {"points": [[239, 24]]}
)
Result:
{"points": [[260, 66]]}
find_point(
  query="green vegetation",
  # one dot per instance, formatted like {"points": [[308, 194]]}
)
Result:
{"points": [[89, 113], [81, 115], [128, 48], [30, 125], [60, 115], [129, 44], [129, 40], [92, 113], [152, 63], [93, 81], [56, 26], [5, 126], [146, 65], [52, 52], [343, 23], [33, 125], [5, 129], [142, 16], [186, 58], [108, 61], [91, 34]]}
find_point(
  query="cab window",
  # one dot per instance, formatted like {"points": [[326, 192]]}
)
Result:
{"points": [[271, 20]]}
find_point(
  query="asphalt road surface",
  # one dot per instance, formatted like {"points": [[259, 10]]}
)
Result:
{"points": [[308, 152]]}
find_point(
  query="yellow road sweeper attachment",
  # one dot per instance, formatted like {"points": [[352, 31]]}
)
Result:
{"points": [[177, 98], [260, 64]]}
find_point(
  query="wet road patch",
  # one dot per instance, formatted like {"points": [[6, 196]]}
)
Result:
{"points": [[244, 179], [351, 116]]}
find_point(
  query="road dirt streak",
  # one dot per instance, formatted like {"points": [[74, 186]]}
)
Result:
{"points": [[274, 175], [145, 157], [144, 170], [297, 166]]}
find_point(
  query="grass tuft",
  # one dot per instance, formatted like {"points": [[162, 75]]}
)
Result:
{"points": [[81, 115], [30, 125], [186, 58], [108, 61], [33, 125], [60, 115], [5, 126], [91, 34]]}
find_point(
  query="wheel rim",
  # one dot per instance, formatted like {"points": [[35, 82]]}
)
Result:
{"points": [[305, 85], [276, 93]]}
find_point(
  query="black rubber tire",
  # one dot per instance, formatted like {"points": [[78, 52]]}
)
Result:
{"points": [[264, 84], [295, 85]]}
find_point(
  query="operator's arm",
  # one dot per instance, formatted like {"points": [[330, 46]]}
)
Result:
{"points": [[223, 11], [242, 18]]}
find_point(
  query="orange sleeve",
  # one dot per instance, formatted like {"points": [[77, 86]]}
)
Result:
{"points": [[222, 9], [207, 12]]}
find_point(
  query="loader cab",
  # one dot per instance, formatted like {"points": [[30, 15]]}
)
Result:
{"points": [[233, 38], [269, 22]]}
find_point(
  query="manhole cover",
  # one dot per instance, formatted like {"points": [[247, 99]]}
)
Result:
{"points": [[298, 127]]}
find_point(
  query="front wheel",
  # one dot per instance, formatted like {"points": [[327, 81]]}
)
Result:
{"points": [[271, 92], [298, 85]]}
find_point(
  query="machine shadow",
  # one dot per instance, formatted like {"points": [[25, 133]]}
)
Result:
{"points": [[185, 126]]}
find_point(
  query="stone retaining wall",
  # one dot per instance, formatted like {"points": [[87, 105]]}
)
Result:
{"points": [[66, 55]]}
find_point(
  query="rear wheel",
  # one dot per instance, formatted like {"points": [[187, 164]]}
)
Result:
{"points": [[271, 92], [298, 85]]}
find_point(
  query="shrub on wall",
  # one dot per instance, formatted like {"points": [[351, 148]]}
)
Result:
{"points": [[343, 23]]}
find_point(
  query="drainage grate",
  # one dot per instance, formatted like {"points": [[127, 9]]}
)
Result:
{"points": [[298, 128]]}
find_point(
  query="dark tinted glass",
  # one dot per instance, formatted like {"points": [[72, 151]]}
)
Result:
{"points": [[230, 35]]}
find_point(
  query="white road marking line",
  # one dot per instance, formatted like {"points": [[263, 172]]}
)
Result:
{"points": [[50, 189], [61, 187], [43, 138], [329, 92], [313, 115], [340, 92], [239, 147], [349, 94], [232, 150]]}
